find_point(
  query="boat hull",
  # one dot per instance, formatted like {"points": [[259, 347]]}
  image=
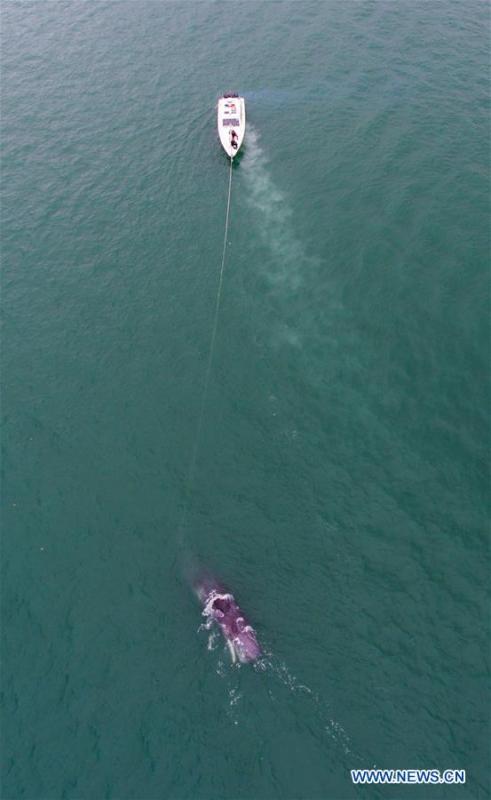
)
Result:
{"points": [[231, 121]]}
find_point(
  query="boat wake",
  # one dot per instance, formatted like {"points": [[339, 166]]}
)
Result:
{"points": [[285, 266], [304, 306], [287, 257]]}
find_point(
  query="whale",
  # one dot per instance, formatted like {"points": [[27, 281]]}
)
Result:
{"points": [[221, 608]]}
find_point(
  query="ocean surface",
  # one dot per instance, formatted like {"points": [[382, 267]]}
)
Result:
{"points": [[342, 485]]}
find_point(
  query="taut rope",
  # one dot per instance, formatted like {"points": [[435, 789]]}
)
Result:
{"points": [[206, 382]]}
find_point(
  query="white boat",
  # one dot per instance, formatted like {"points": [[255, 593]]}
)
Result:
{"points": [[231, 123]]}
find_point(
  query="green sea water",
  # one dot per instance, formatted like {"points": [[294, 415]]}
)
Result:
{"points": [[342, 481]]}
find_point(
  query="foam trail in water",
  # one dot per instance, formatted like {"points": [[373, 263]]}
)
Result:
{"points": [[288, 258], [277, 672], [333, 728]]}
